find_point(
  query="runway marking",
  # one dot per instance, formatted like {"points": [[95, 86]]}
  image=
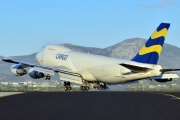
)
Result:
{"points": [[11, 94], [173, 97], [159, 93]]}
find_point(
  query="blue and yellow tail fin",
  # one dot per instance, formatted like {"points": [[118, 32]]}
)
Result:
{"points": [[151, 51]]}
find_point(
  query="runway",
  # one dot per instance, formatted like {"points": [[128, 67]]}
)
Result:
{"points": [[91, 106]]}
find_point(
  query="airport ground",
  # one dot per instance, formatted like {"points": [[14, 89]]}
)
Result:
{"points": [[132, 87], [91, 106]]}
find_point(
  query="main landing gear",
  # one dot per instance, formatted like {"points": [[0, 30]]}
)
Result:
{"points": [[103, 86], [67, 86], [85, 86], [100, 86]]}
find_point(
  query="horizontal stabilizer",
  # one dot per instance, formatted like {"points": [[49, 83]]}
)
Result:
{"points": [[166, 76], [135, 68], [168, 70]]}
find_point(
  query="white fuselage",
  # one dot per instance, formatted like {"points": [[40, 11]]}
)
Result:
{"points": [[93, 67]]}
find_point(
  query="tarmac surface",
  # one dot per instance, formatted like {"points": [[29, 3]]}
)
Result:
{"points": [[91, 106]]}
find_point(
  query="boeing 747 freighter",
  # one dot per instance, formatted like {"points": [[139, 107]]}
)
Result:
{"points": [[85, 69]]}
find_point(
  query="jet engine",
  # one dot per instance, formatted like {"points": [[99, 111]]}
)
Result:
{"points": [[35, 74], [163, 80], [18, 70]]}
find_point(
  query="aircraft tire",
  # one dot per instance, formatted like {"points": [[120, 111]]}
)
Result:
{"points": [[87, 88], [65, 89], [47, 77], [69, 88], [81, 87], [84, 88], [68, 83]]}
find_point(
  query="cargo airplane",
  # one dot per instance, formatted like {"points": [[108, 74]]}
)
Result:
{"points": [[85, 69]]}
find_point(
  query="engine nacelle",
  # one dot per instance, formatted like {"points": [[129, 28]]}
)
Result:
{"points": [[18, 70], [35, 74], [163, 80]]}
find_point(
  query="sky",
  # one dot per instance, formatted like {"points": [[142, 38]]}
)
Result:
{"points": [[27, 25]]}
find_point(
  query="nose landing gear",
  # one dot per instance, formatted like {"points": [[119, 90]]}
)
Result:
{"points": [[47, 77], [67, 86]]}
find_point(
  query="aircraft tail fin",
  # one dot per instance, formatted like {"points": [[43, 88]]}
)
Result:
{"points": [[151, 51]]}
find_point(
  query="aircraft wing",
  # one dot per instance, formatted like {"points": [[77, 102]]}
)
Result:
{"points": [[26, 64], [44, 69]]}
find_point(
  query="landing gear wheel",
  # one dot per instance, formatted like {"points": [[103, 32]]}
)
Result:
{"points": [[81, 87], [67, 86], [101, 86], [66, 89], [47, 77], [87, 88], [84, 88]]}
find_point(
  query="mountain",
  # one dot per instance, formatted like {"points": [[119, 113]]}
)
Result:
{"points": [[126, 49]]}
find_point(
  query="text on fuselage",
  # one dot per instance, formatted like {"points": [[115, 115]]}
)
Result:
{"points": [[61, 56]]}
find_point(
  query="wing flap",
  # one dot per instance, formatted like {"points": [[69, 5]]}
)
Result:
{"points": [[50, 72], [70, 78]]}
